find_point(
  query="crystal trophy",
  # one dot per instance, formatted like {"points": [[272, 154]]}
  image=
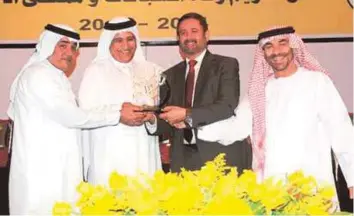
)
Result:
{"points": [[146, 84]]}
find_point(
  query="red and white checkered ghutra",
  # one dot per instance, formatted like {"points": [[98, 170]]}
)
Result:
{"points": [[260, 74]]}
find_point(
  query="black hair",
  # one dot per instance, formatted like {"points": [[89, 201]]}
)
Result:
{"points": [[192, 15]]}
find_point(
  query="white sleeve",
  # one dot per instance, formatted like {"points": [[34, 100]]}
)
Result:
{"points": [[90, 96], [151, 127], [338, 126], [86, 151], [10, 110], [235, 128], [92, 87], [57, 102]]}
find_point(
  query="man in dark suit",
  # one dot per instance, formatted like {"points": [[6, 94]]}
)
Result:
{"points": [[204, 89]]}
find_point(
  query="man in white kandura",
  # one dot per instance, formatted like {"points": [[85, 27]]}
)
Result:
{"points": [[294, 113], [121, 75], [46, 163]]}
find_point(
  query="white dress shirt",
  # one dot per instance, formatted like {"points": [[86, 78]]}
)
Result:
{"points": [[197, 66], [153, 127]]}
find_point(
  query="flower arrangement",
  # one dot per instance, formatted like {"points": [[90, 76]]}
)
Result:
{"points": [[215, 189]]}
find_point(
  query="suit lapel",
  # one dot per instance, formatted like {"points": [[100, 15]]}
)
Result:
{"points": [[203, 75], [179, 83]]}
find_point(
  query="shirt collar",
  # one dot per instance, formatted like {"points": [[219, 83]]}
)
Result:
{"points": [[199, 58]]}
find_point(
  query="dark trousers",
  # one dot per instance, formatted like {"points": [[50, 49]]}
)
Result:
{"points": [[346, 204], [4, 194], [192, 159]]}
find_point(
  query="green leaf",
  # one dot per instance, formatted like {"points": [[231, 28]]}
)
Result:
{"points": [[257, 208]]}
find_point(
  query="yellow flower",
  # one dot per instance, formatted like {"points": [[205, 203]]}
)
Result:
{"points": [[228, 205], [215, 189], [327, 192], [316, 210], [227, 184], [117, 181], [273, 194], [142, 202], [185, 198], [62, 208], [247, 185], [85, 189], [295, 177]]}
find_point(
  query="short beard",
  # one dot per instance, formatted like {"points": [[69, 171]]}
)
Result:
{"points": [[194, 51], [284, 55], [69, 59]]}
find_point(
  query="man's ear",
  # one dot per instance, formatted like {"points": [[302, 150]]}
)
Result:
{"points": [[207, 34]]}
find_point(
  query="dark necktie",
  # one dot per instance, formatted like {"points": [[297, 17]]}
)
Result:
{"points": [[188, 134]]}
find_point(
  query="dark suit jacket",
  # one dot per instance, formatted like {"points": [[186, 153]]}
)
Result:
{"points": [[216, 95]]}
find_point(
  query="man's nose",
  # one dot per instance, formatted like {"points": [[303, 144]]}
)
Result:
{"points": [[69, 51], [125, 45], [190, 37], [276, 50]]}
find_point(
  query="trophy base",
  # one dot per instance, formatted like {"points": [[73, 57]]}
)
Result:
{"points": [[154, 109]]}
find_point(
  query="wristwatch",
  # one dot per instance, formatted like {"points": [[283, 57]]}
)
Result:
{"points": [[188, 120]]}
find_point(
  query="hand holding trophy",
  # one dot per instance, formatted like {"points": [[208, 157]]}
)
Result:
{"points": [[157, 109], [147, 83]]}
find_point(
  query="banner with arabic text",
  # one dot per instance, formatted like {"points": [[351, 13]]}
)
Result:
{"points": [[24, 19]]}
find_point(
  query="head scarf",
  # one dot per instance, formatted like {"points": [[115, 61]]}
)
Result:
{"points": [[111, 28], [44, 48], [260, 74], [143, 72]]}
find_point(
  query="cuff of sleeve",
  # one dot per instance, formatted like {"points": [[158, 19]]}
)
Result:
{"points": [[113, 114], [151, 127], [208, 133]]}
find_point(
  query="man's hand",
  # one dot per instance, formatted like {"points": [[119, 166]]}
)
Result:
{"points": [[129, 115], [351, 192], [180, 125], [150, 117], [173, 114]]}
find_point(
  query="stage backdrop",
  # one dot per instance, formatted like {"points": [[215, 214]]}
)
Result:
{"points": [[328, 24], [24, 19]]}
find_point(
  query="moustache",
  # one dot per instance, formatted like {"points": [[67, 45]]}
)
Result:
{"points": [[188, 41], [125, 50], [69, 59], [278, 55]]}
